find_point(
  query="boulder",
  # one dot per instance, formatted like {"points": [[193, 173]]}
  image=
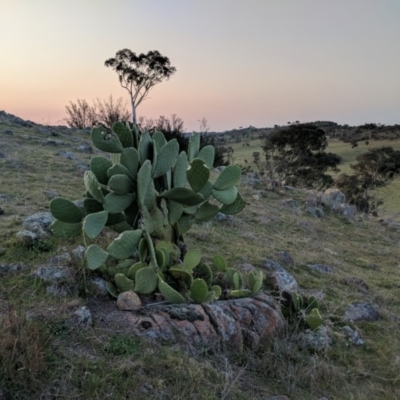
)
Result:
{"points": [[333, 198]]}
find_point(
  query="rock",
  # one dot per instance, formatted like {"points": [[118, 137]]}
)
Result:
{"points": [[2, 155], [56, 290], [324, 269], [289, 203], [39, 224], [51, 194], [66, 154], [26, 237], [316, 212], [247, 267], [8, 268], [233, 323], [83, 167], [85, 148], [353, 336], [361, 312], [52, 274], [82, 318], [78, 253], [99, 285], [313, 198], [285, 258], [60, 259], [1, 211], [129, 301], [220, 217], [348, 211], [333, 198], [392, 224], [318, 340], [279, 278]]}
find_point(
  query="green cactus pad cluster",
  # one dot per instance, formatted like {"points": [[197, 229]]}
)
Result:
{"points": [[150, 194], [308, 310]]}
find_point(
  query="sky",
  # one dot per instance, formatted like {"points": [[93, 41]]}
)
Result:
{"points": [[239, 62]]}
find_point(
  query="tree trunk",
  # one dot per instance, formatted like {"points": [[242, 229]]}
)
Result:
{"points": [[133, 112]]}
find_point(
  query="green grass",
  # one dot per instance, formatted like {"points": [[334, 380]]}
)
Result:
{"points": [[389, 194], [42, 355]]}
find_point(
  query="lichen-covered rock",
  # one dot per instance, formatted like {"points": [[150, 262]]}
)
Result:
{"points": [[359, 311], [315, 340], [39, 224], [353, 336], [233, 323], [279, 278]]}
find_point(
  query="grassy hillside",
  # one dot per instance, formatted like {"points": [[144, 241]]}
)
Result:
{"points": [[43, 356], [390, 194]]}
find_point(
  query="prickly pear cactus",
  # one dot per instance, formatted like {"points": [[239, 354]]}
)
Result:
{"points": [[151, 194]]}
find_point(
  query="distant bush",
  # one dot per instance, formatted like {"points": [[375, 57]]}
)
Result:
{"points": [[81, 115]]}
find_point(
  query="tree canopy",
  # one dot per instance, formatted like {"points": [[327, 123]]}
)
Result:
{"points": [[296, 155], [138, 74]]}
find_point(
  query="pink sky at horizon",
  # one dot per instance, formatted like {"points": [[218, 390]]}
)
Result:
{"points": [[239, 63]]}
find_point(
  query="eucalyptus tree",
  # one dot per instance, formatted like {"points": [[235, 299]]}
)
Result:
{"points": [[138, 74]]}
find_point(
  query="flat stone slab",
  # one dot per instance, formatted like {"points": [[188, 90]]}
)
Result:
{"points": [[232, 323]]}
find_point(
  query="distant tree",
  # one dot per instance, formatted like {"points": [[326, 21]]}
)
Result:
{"points": [[138, 74], [296, 155], [374, 169], [354, 143], [80, 114]]}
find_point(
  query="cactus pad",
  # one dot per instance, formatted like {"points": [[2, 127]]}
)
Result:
{"points": [[314, 319], [99, 166], [207, 154], [123, 283], [106, 141], [124, 134], [198, 290], [169, 293], [121, 184], [192, 259], [183, 196], [66, 211], [93, 224], [115, 203], [166, 158], [197, 174], [125, 244], [145, 280], [235, 207], [227, 196], [179, 175], [68, 231], [194, 146], [95, 256], [206, 212], [93, 186], [229, 177]]}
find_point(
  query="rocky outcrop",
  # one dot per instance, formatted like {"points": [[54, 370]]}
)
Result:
{"points": [[231, 323]]}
